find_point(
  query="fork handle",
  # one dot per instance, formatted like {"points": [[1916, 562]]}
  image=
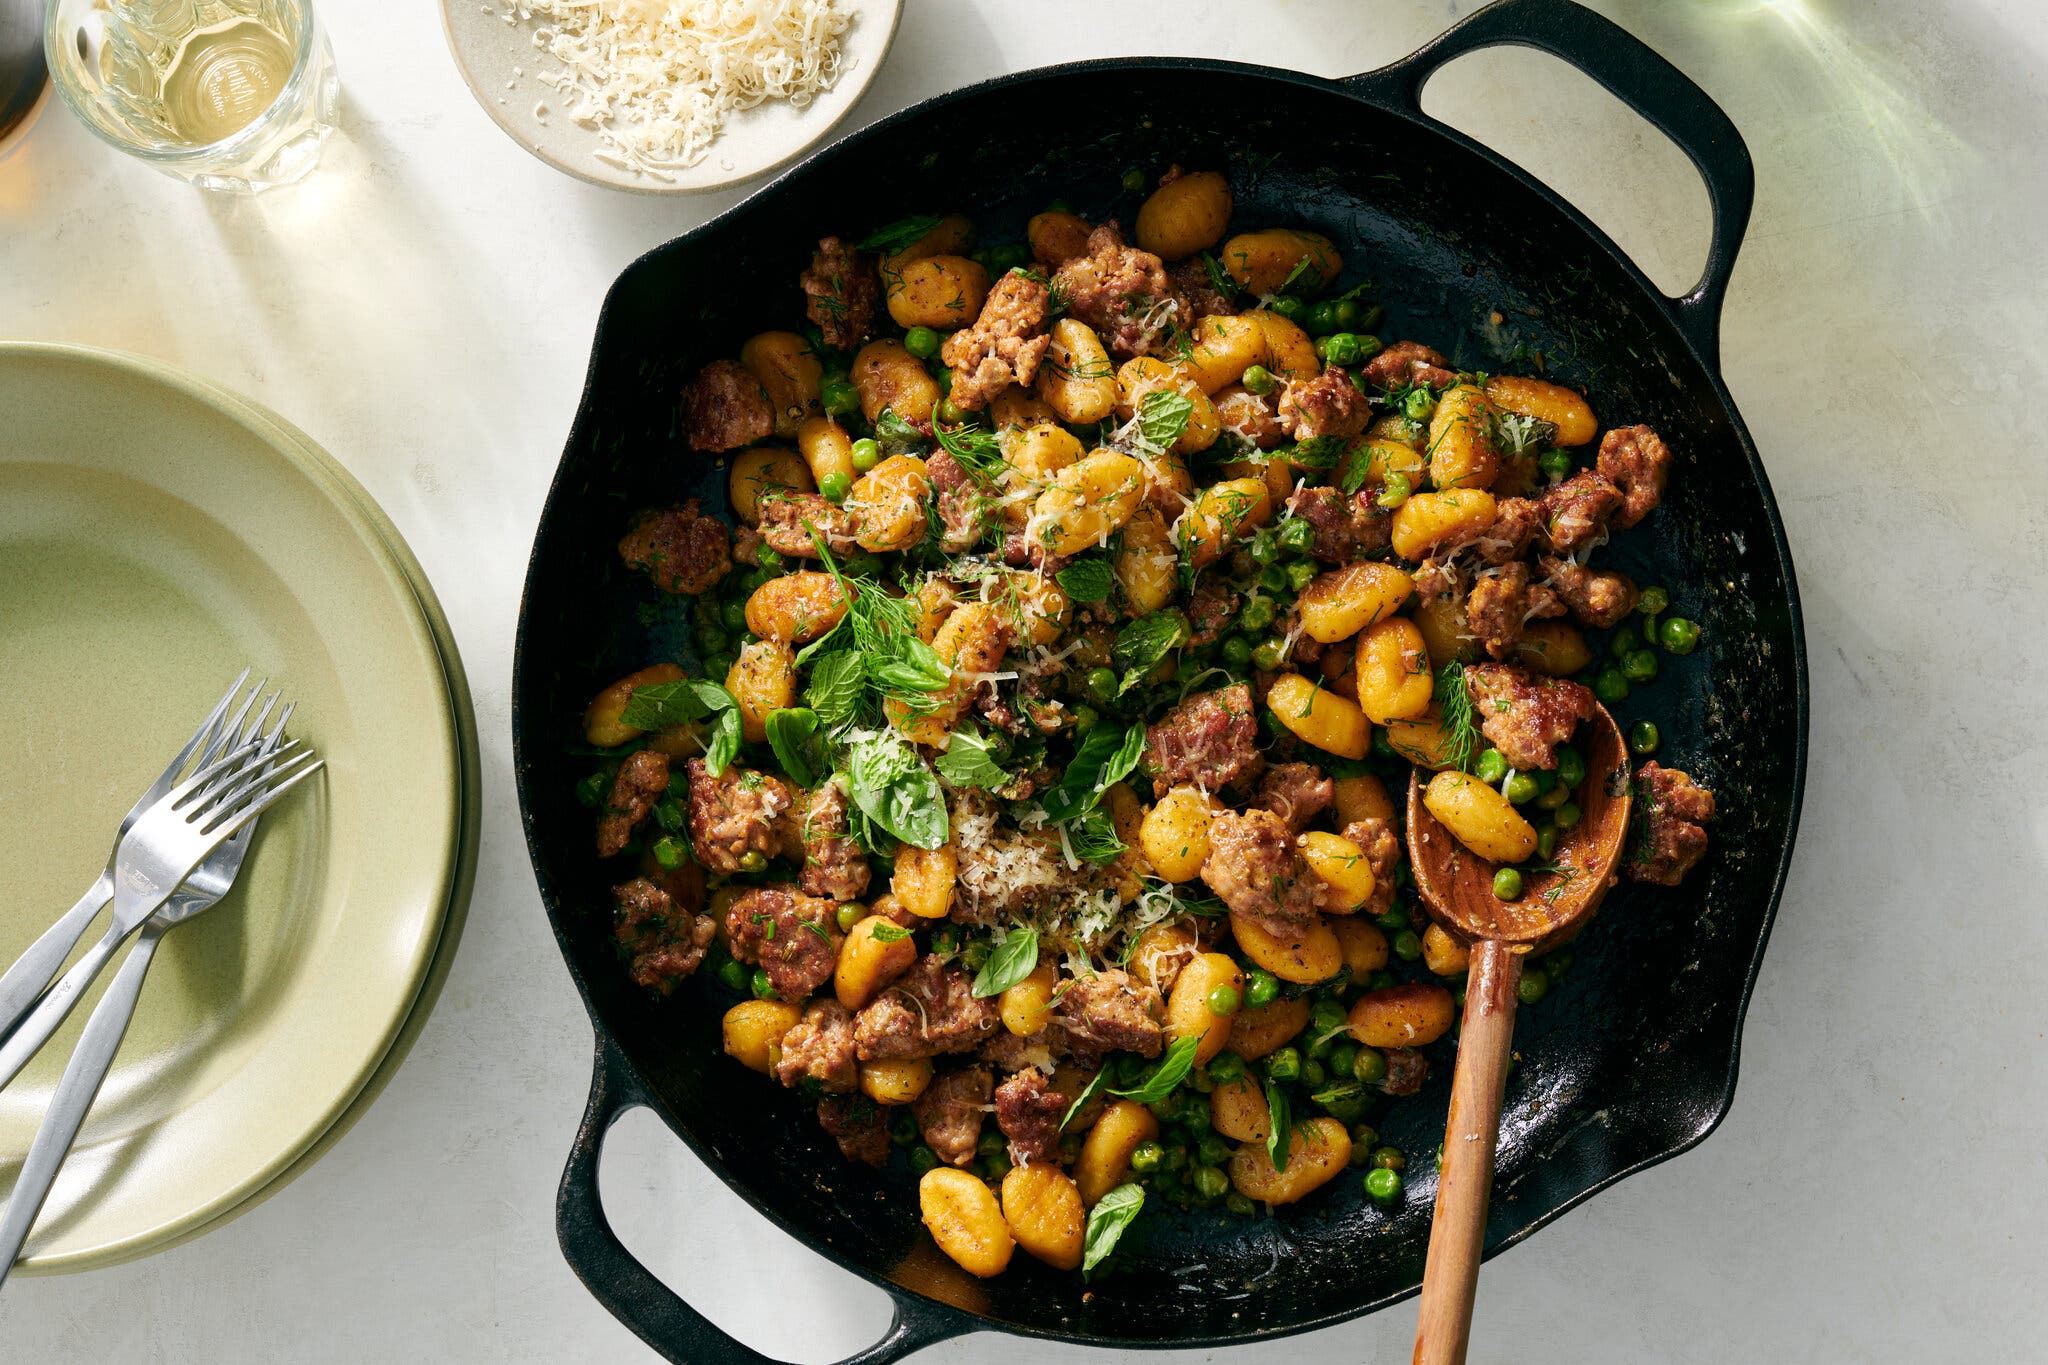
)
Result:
{"points": [[37, 967], [55, 1006], [83, 1076]]}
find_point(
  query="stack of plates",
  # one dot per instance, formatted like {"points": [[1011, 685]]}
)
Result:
{"points": [[156, 535]]}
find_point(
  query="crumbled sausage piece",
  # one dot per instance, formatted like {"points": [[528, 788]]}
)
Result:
{"points": [[963, 505], [792, 936], [1407, 1069], [1575, 512], [680, 550], [736, 813], [928, 1010], [855, 1122], [1327, 405], [820, 1048], [788, 518], [1346, 528], [1210, 741], [1635, 460], [1515, 524], [1439, 579], [1383, 855], [1296, 792], [1210, 609], [1498, 608], [1408, 362], [1192, 280], [949, 1113], [841, 290], [1254, 869], [1667, 840], [1526, 716], [746, 546], [1599, 598], [724, 408], [1112, 1011], [642, 778], [1029, 1110], [663, 941], [1004, 345], [834, 866], [1123, 294]]}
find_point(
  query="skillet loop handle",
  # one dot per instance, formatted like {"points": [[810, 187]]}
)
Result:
{"points": [[635, 1297], [1636, 75]]}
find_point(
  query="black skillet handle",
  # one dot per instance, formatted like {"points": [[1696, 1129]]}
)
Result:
{"points": [[1641, 79], [636, 1298]]}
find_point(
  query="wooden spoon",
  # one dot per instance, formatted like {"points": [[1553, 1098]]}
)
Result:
{"points": [[1457, 887]]}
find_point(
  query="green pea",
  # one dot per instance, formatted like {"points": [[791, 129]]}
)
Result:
{"points": [[1546, 841], [1557, 964], [1492, 767], [1321, 319], [1212, 1150], [951, 413], [1534, 985], [1194, 1116], [1370, 1066], [922, 1159], [1555, 464], [1341, 348], [994, 1168], [1226, 1067], [1267, 656], [771, 561], [1224, 1001], [764, 989], [1558, 794], [1101, 684], [835, 486], [1326, 1015], [861, 564], [1297, 536], [753, 860], [1313, 1074], [1236, 651], [1653, 601], [1395, 491], [1176, 1158], [1085, 718], [1640, 667], [1008, 256], [717, 665], [1625, 641], [1420, 404], [1284, 1065], [1567, 816], [1257, 614], [1571, 766], [849, 914], [1134, 181], [1301, 573], [1382, 981], [1289, 307], [1210, 1183], [866, 454], [1350, 313], [753, 581], [903, 1127], [1611, 687], [591, 790], [839, 397], [1261, 988], [1407, 945], [1507, 885], [946, 939], [668, 851], [712, 637], [1239, 1204], [1643, 738], [921, 342], [1273, 579], [988, 1144], [975, 955], [1546, 781], [734, 615], [733, 975], [1259, 380], [1393, 919], [1342, 1058], [1522, 789], [1382, 1186], [1389, 1159], [1366, 1136], [1678, 635]]}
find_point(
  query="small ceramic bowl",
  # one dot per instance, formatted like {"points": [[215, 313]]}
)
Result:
{"points": [[502, 66]]}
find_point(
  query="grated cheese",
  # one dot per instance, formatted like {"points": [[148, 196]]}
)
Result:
{"points": [[658, 80]]}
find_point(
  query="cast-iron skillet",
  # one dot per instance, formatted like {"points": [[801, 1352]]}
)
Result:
{"points": [[1632, 1062]]}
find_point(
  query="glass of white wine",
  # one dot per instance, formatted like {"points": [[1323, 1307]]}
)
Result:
{"points": [[233, 95]]}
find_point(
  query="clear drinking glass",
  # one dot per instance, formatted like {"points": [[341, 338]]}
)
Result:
{"points": [[230, 95]]}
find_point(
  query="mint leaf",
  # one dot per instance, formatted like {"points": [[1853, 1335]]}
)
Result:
{"points": [[1088, 579], [1015, 958], [890, 933], [837, 680], [969, 761], [658, 706], [1162, 417]]}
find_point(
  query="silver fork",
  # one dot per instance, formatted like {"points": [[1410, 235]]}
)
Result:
{"points": [[34, 969], [171, 842], [46, 1015]]}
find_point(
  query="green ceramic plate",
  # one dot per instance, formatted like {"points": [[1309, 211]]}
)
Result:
{"points": [[154, 536]]}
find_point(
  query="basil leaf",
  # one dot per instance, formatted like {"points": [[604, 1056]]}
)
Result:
{"points": [[890, 933], [1281, 1119], [837, 681], [1112, 1213], [1124, 761], [1015, 958], [724, 745], [895, 789], [1088, 1092], [657, 706], [1105, 750], [1088, 579], [899, 234], [1173, 1068], [969, 761], [1162, 417], [793, 734]]}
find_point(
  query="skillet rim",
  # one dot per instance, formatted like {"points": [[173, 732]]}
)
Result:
{"points": [[1362, 89]]}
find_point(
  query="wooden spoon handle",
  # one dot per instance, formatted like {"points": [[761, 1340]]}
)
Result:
{"points": [[1457, 1234]]}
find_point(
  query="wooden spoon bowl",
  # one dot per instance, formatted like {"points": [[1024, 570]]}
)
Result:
{"points": [[1457, 888]]}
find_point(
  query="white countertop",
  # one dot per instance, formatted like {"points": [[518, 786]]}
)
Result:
{"points": [[423, 307]]}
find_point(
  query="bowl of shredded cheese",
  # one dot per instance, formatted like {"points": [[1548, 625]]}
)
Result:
{"points": [[669, 96]]}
